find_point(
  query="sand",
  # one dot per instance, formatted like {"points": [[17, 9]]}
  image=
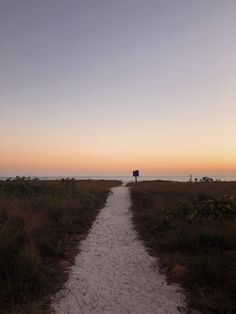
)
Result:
{"points": [[113, 272]]}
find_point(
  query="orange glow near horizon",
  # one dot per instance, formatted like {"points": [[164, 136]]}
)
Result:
{"points": [[53, 163], [97, 90]]}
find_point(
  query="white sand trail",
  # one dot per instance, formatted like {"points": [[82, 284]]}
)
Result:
{"points": [[113, 272]]}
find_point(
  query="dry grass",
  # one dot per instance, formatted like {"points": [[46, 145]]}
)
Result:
{"points": [[39, 222], [192, 228]]}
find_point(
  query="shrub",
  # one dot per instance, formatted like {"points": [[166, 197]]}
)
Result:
{"points": [[37, 221], [193, 225]]}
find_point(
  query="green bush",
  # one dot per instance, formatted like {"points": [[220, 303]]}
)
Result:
{"points": [[193, 225]]}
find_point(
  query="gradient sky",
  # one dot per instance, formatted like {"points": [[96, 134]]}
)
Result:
{"points": [[105, 86]]}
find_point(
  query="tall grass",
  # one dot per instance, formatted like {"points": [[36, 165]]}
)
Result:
{"points": [[38, 219], [192, 228]]}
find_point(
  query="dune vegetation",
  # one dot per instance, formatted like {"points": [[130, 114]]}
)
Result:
{"points": [[191, 227], [40, 225]]}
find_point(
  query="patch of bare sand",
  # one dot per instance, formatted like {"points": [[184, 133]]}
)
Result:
{"points": [[113, 272]]}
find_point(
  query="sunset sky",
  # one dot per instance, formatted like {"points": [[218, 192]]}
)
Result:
{"points": [[100, 87]]}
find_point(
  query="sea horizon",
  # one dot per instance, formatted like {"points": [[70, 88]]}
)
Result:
{"points": [[179, 178]]}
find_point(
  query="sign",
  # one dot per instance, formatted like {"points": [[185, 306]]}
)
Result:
{"points": [[136, 173]]}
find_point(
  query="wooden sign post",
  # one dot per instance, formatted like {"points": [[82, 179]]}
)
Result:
{"points": [[136, 175]]}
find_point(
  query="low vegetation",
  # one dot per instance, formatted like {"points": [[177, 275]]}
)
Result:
{"points": [[39, 222], [192, 228]]}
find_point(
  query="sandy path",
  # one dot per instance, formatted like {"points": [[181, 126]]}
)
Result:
{"points": [[113, 272]]}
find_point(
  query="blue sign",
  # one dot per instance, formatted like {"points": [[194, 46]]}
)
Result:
{"points": [[136, 173]]}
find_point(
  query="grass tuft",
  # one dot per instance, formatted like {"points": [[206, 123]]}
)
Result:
{"points": [[38, 220], [192, 228]]}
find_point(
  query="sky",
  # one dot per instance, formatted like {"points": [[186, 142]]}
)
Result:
{"points": [[104, 87]]}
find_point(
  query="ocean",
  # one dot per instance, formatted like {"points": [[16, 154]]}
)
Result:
{"points": [[130, 178]]}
